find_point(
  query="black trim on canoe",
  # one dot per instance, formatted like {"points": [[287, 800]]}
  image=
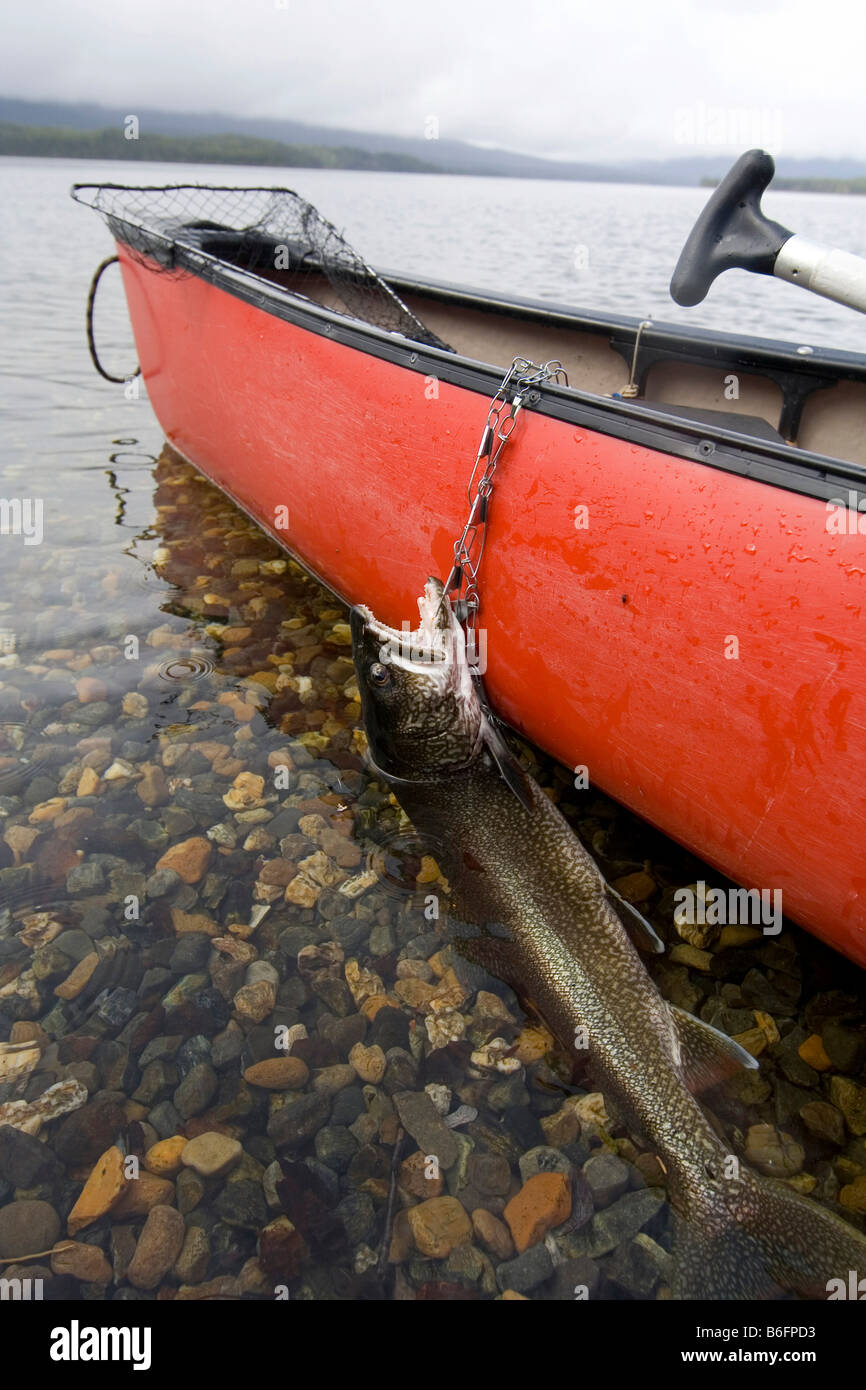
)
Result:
{"points": [[636, 422]]}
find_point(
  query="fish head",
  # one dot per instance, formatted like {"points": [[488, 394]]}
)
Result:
{"points": [[420, 708]]}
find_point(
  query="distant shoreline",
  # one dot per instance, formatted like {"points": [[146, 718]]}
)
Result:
{"points": [[59, 142], [806, 185], [52, 142], [109, 143]]}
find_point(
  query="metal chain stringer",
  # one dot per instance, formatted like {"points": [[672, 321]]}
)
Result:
{"points": [[519, 386]]}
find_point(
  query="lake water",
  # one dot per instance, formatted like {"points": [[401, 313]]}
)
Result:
{"points": [[168, 905]]}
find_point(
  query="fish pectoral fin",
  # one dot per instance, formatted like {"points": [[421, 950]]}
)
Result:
{"points": [[493, 950], [634, 922], [509, 768], [708, 1056]]}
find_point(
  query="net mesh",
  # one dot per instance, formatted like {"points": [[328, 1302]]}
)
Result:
{"points": [[180, 227]]}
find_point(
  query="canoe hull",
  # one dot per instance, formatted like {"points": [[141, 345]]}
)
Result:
{"points": [[695, 639]]}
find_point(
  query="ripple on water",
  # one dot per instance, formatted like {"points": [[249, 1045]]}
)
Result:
{"points": [[18, 765], [150, 578], [398, 859], [184, 670]]}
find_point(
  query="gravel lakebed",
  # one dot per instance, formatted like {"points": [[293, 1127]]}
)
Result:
{"points": [[239, 1057]]}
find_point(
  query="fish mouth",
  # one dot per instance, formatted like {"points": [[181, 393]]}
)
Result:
{"points": [[434, 690], [437, 641]]}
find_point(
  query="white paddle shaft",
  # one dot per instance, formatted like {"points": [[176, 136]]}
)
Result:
{"points": [[834, 274]]}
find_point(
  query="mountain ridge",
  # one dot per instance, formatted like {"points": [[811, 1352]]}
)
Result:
{"points": [[447, 155]]}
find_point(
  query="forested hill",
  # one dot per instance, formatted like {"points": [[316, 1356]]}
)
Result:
{"points": [[55, 142]]}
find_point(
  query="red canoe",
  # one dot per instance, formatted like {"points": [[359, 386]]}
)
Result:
{"points": [[699, 645]]}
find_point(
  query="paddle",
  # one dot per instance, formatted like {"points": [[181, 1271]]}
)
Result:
{"points": [[733, 232]]}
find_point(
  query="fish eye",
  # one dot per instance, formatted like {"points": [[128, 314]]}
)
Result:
{"points": [[379, 674]]}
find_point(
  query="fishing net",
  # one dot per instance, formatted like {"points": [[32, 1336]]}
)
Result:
{"points": [[188, 227]]}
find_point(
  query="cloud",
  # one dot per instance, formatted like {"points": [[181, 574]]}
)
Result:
{"points": [[576, 79]]}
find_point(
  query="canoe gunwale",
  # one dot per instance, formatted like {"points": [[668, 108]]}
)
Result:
{"points": [[775, 464], [756, 350]]}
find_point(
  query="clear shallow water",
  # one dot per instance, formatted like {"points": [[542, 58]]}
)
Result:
{"points": [[243, 662]]}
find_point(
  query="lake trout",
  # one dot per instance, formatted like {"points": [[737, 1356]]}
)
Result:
{"points": [[548, 924]]}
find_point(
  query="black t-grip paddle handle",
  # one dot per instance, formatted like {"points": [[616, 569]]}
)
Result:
{"points": [[732, 231]]}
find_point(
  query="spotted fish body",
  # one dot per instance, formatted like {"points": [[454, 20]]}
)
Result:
{"points": [[545, 923]]}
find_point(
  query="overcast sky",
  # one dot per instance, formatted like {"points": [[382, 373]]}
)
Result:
{"points": [[597, 79]]}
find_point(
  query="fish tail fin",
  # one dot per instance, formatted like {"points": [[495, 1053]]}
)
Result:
{"points": [[806, 1246], [719, 1259], [756, 1238]]}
